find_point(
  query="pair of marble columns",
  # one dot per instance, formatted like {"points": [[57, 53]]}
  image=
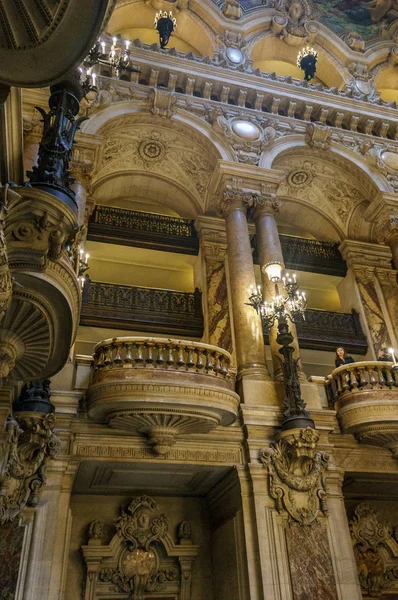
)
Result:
{"points": [[250, 353]]}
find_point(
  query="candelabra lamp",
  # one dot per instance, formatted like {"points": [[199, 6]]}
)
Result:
{"points": [[165, 24], [285, 306], [306, 61]]}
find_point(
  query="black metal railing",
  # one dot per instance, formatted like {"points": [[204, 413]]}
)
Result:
{"points": [[143, 230], [142, 309], [325, 330], [303, 254]]}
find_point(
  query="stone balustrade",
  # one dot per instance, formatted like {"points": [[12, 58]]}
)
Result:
{"points": [[162, 388], [366, 400]]}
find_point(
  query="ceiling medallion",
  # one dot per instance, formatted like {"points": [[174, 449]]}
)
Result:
{"points": [[151, 150], [299, 178]]}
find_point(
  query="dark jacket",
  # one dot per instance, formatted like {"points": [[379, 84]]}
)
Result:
{"points": [[343, 361]]}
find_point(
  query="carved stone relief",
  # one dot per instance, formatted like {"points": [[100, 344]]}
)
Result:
{"points": [[141, 559], [5, 277], [296, 475], [376, 551], [30, 442], [322, 184], [292, 24]]}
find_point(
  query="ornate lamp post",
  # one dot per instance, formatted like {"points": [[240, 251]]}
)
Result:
{"points": [[165, 23], [290, 304], [306, 60]]}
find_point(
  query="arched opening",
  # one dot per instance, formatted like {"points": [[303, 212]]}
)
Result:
{"points": [[271, 54], [135, 20]]}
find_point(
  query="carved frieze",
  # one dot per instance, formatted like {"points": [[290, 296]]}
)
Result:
{"points": [[141, 558], [376, 551], [297, 475]]}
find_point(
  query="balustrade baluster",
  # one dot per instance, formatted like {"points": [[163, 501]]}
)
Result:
{"points": [[217, 363], [224, 369], [128, 359], [362, 380], [109, 356], [100, 362], [380, 376], [339, 384], [372, 378], [180, 359], [160, 358], [395, 375], [209, 362], [389, 377], [199, 361], [149, 357], [190, 361], [346, 381], [353, 379], [118, 358], [139, 357], [170, 355]]}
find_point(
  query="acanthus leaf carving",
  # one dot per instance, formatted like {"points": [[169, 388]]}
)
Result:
{"points": [[296, 470]]}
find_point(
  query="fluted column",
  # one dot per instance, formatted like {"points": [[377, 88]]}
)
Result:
{"points": [[250, 352], [266, 205]]}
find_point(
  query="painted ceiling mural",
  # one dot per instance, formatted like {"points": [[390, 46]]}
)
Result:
{"points": [[371, 19]]}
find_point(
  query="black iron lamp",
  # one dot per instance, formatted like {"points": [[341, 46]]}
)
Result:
{"points": [[285, 306], [306, 61], [165, 24]]}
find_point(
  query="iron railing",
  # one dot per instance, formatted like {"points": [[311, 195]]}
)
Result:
{"points": [[325, 330], [142, 309]]}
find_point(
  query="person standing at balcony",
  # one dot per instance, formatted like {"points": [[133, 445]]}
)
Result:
{"points": [[342, 357]]}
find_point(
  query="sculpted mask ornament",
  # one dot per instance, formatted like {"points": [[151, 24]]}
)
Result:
{"points": [[296, 470], [292, 24], [373, 540]]}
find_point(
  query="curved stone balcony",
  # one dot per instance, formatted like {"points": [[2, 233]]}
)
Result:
{"points": [[162, 388], [366, 395], [42, 315]]}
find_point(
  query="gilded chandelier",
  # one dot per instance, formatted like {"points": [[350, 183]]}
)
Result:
{"points": [[306, 60], [290, 306]]}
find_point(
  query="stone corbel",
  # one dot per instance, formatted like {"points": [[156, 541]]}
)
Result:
{"points": [[162, 102], [318, 136]]}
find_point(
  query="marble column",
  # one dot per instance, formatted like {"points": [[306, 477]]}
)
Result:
{"points": [[270, 251], [250, 352]]}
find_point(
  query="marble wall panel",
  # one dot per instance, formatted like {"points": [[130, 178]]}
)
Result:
{"points": [[218, 308], [310, 562], [374, 314], [11, 540]]}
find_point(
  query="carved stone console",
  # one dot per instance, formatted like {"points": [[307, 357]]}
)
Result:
{"points": [[161, 388], [141, 561], [366, 395]]}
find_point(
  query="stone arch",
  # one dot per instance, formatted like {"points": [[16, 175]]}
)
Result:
{"points": [[332, 189], [161, 159]]}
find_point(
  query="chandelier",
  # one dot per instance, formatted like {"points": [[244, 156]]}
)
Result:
{"points": [[290, 306], [306, 61], [165, 24], [117, 57]]}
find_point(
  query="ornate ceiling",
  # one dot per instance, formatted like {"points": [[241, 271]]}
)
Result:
{"points": [[369, 19]]}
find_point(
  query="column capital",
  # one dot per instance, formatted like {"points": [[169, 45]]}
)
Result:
{"points": [[266, 202], [213, 237]]}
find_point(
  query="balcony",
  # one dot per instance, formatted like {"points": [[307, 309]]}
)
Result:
{"points": [[366, 400], [162, 388], [324, 330], [143, 230], [144, 309]]}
